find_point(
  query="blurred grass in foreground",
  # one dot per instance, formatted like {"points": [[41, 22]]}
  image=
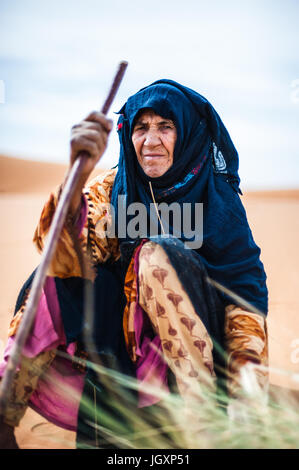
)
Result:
{"points": [[202, 423], [207, 420]]}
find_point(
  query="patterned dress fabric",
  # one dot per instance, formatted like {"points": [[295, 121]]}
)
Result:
{"points": [[186, 344]]}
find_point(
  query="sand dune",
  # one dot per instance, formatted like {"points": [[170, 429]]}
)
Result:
{"points": [[25, 176], [273, 216]]}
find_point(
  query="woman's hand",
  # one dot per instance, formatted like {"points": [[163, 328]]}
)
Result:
{"points": [[91, 136]]}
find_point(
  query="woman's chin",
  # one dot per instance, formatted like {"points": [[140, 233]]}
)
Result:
{"points": [[152, 172]]}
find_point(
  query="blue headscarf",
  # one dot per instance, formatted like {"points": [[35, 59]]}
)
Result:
{"points": [[204, 170]]}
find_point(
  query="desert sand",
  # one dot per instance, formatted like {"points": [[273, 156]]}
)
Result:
{"points": [[273, 217]]}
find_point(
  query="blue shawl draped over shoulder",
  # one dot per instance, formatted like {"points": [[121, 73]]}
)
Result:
{"points": [[204, 170]]}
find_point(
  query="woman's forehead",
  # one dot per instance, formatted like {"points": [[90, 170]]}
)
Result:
{"points": [[149, 114]]}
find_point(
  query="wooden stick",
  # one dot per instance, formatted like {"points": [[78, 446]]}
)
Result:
{"points": [[48, 252]]}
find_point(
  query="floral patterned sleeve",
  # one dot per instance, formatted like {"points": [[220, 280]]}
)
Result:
{"points": [[96, 196], [246, 342]]}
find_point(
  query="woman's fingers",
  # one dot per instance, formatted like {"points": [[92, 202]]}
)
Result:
{"points": [[101, 119], [90, 135], [94, 149]]}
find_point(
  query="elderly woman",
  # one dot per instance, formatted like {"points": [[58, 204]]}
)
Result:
{"points": [[170, 296]]}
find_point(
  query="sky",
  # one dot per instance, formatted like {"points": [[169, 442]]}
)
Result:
{"points": [[58, 57]]}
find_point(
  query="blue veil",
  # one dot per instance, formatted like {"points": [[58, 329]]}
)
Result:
{"points": [[204, 170]]}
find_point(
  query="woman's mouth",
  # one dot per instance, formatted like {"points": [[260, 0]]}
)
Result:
{"points": [[153, 156]]}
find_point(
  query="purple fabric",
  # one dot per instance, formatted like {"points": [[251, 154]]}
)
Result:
{"points": [[47, 330], [151, 368], [58, 393]]}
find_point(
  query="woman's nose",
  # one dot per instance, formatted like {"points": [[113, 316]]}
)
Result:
{"points": [[152, 138]]}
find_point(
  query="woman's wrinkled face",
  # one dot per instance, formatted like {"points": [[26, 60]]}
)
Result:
{"points": [[154, 139]]}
